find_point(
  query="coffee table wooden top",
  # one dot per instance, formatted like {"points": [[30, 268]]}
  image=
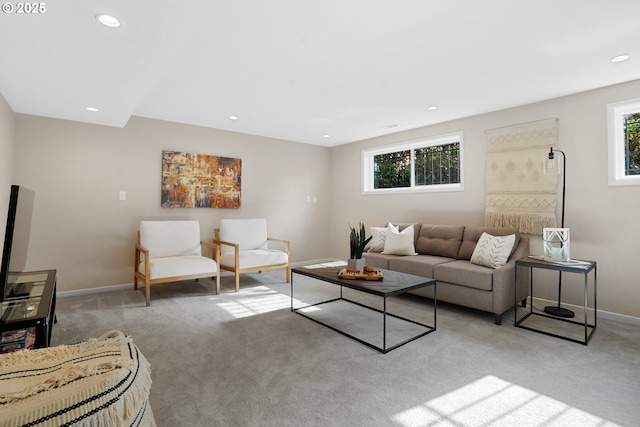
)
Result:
{"points": [[394, 282]]}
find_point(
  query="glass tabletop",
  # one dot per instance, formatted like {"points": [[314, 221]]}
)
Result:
{"points": [[23, 297]]}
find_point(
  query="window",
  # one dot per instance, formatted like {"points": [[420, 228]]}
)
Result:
{"points": [[623, 121], [433, 164]]}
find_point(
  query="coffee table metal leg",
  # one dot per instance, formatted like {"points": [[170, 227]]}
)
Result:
{"points": [[384, 325], [291, 291]]}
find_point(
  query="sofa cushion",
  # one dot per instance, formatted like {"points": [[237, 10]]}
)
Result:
{"points": [[464, 273], [399, 242], [378, 260], [493, 251], [440, 240], [421, 265], [472, 235]]}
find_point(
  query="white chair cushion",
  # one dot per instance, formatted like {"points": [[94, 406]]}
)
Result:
{"points": [[248, 233], [255, 258], [170, 238], [180, 266]]}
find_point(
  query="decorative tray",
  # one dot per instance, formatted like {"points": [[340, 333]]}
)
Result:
{"points": [[368, 273]]}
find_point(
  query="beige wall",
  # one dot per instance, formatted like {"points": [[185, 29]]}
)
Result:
{"points": [[602, 219], [83, 230], [6, 160]]}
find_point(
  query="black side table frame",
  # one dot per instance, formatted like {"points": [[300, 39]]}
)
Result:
{"points": [[579, 267]]}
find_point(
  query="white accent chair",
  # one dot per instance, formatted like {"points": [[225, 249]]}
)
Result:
{"points": [[171, 251], [244, 248]]}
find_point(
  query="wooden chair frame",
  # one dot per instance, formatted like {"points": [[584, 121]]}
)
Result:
{"points": [[144, 277], [236, 268]]}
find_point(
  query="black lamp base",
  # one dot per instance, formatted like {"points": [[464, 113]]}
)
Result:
{"points": [[558, 311]]}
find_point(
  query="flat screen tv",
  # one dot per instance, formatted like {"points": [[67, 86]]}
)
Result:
{"points": [[16, 240]]}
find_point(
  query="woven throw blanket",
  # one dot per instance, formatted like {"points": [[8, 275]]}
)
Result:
{"points": [[518, 191], [101, 382]]}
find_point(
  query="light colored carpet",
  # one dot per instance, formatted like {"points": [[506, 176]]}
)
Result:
{"points": [[244, 359]]}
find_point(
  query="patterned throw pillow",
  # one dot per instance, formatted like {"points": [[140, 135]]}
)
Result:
{"points": [[378, 238], [493, 251]]}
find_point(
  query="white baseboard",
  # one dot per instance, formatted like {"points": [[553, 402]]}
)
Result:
{"points": [[110, 288], [539, 301], [602, 314], [88, 291]]}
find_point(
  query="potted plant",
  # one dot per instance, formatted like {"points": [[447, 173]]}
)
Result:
{"points": [[357, 243]]}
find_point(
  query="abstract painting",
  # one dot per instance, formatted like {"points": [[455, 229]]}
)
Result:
{"points": [[200, 181]]}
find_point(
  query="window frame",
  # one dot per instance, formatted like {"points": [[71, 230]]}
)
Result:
{"points": [[616, 141], [367, 162]]}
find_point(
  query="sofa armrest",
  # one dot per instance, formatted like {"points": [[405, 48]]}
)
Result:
{"points": [[504, 280]]}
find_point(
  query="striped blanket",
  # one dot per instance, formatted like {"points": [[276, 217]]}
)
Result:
{"points": [[101, 382]]}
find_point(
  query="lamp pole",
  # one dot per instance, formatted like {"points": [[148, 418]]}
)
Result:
{"points": [[551, 309]]}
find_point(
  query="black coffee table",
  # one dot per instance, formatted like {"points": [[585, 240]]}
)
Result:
{"points": [[394, 283]]}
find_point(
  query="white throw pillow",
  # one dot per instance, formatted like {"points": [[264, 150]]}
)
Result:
{"points": [[378, 238], [399, 243], [493, 251]]}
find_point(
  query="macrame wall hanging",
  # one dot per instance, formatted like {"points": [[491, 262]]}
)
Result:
{"points": [[519, 192]]}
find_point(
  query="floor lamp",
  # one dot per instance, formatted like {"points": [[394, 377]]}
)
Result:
{"points": [[552, 309]]}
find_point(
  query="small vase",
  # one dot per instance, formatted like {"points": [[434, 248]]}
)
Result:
{"points": [[355, 264]]}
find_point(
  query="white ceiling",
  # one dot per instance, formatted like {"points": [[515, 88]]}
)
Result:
{"points": [[300, 69]]}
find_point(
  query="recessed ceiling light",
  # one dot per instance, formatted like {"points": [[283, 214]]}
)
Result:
{"points": [[108, 20], [326, 135], [432, 107], [233, 117], [620, 58], [93, 109]]}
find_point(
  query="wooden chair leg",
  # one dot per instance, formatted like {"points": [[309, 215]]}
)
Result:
{"points": [[237, 280], [288, 273], [218, 283]]}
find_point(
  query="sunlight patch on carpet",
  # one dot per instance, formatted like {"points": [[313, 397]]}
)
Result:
{"points": [[492, 401], [256, 300]]}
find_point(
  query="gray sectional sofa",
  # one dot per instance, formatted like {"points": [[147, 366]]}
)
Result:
{"points": [[444, 253]]}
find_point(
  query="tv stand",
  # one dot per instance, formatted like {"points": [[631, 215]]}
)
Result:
{"points": [[31, 305], [19, 290]]}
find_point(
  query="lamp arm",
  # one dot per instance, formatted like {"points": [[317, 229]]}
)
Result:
{"points": [[564, 182]]}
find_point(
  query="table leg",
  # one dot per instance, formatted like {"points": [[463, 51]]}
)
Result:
{"points": [[291, 291], [384, 324], [586, 304], [595, 297]]}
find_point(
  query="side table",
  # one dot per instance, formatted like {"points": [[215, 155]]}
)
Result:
{"points": [[35, 310], [571, 266]]}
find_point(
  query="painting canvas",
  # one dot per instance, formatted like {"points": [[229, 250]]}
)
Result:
{"points": [[200, 181]]}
